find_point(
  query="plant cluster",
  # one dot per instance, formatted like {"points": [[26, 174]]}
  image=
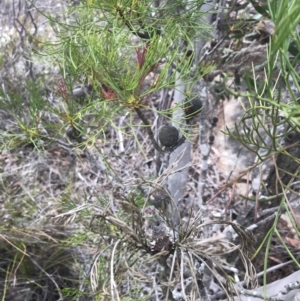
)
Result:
{"points": [[119, 63]]}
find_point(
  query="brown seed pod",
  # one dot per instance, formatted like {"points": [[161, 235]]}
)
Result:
{"points": [[192, 107], [168, 135], [214, 121], [159, 199]]}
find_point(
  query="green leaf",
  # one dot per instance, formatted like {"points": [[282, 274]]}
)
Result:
{"points": [[261, 9]]}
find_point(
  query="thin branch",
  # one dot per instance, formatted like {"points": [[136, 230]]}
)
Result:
{"points": [[148, 129]]}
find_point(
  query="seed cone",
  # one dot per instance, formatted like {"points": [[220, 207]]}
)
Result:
{"points": [[168, 135], [159, 199], [192, 106]]}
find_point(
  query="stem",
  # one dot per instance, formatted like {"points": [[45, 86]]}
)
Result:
{"points": [[148, 129]]}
